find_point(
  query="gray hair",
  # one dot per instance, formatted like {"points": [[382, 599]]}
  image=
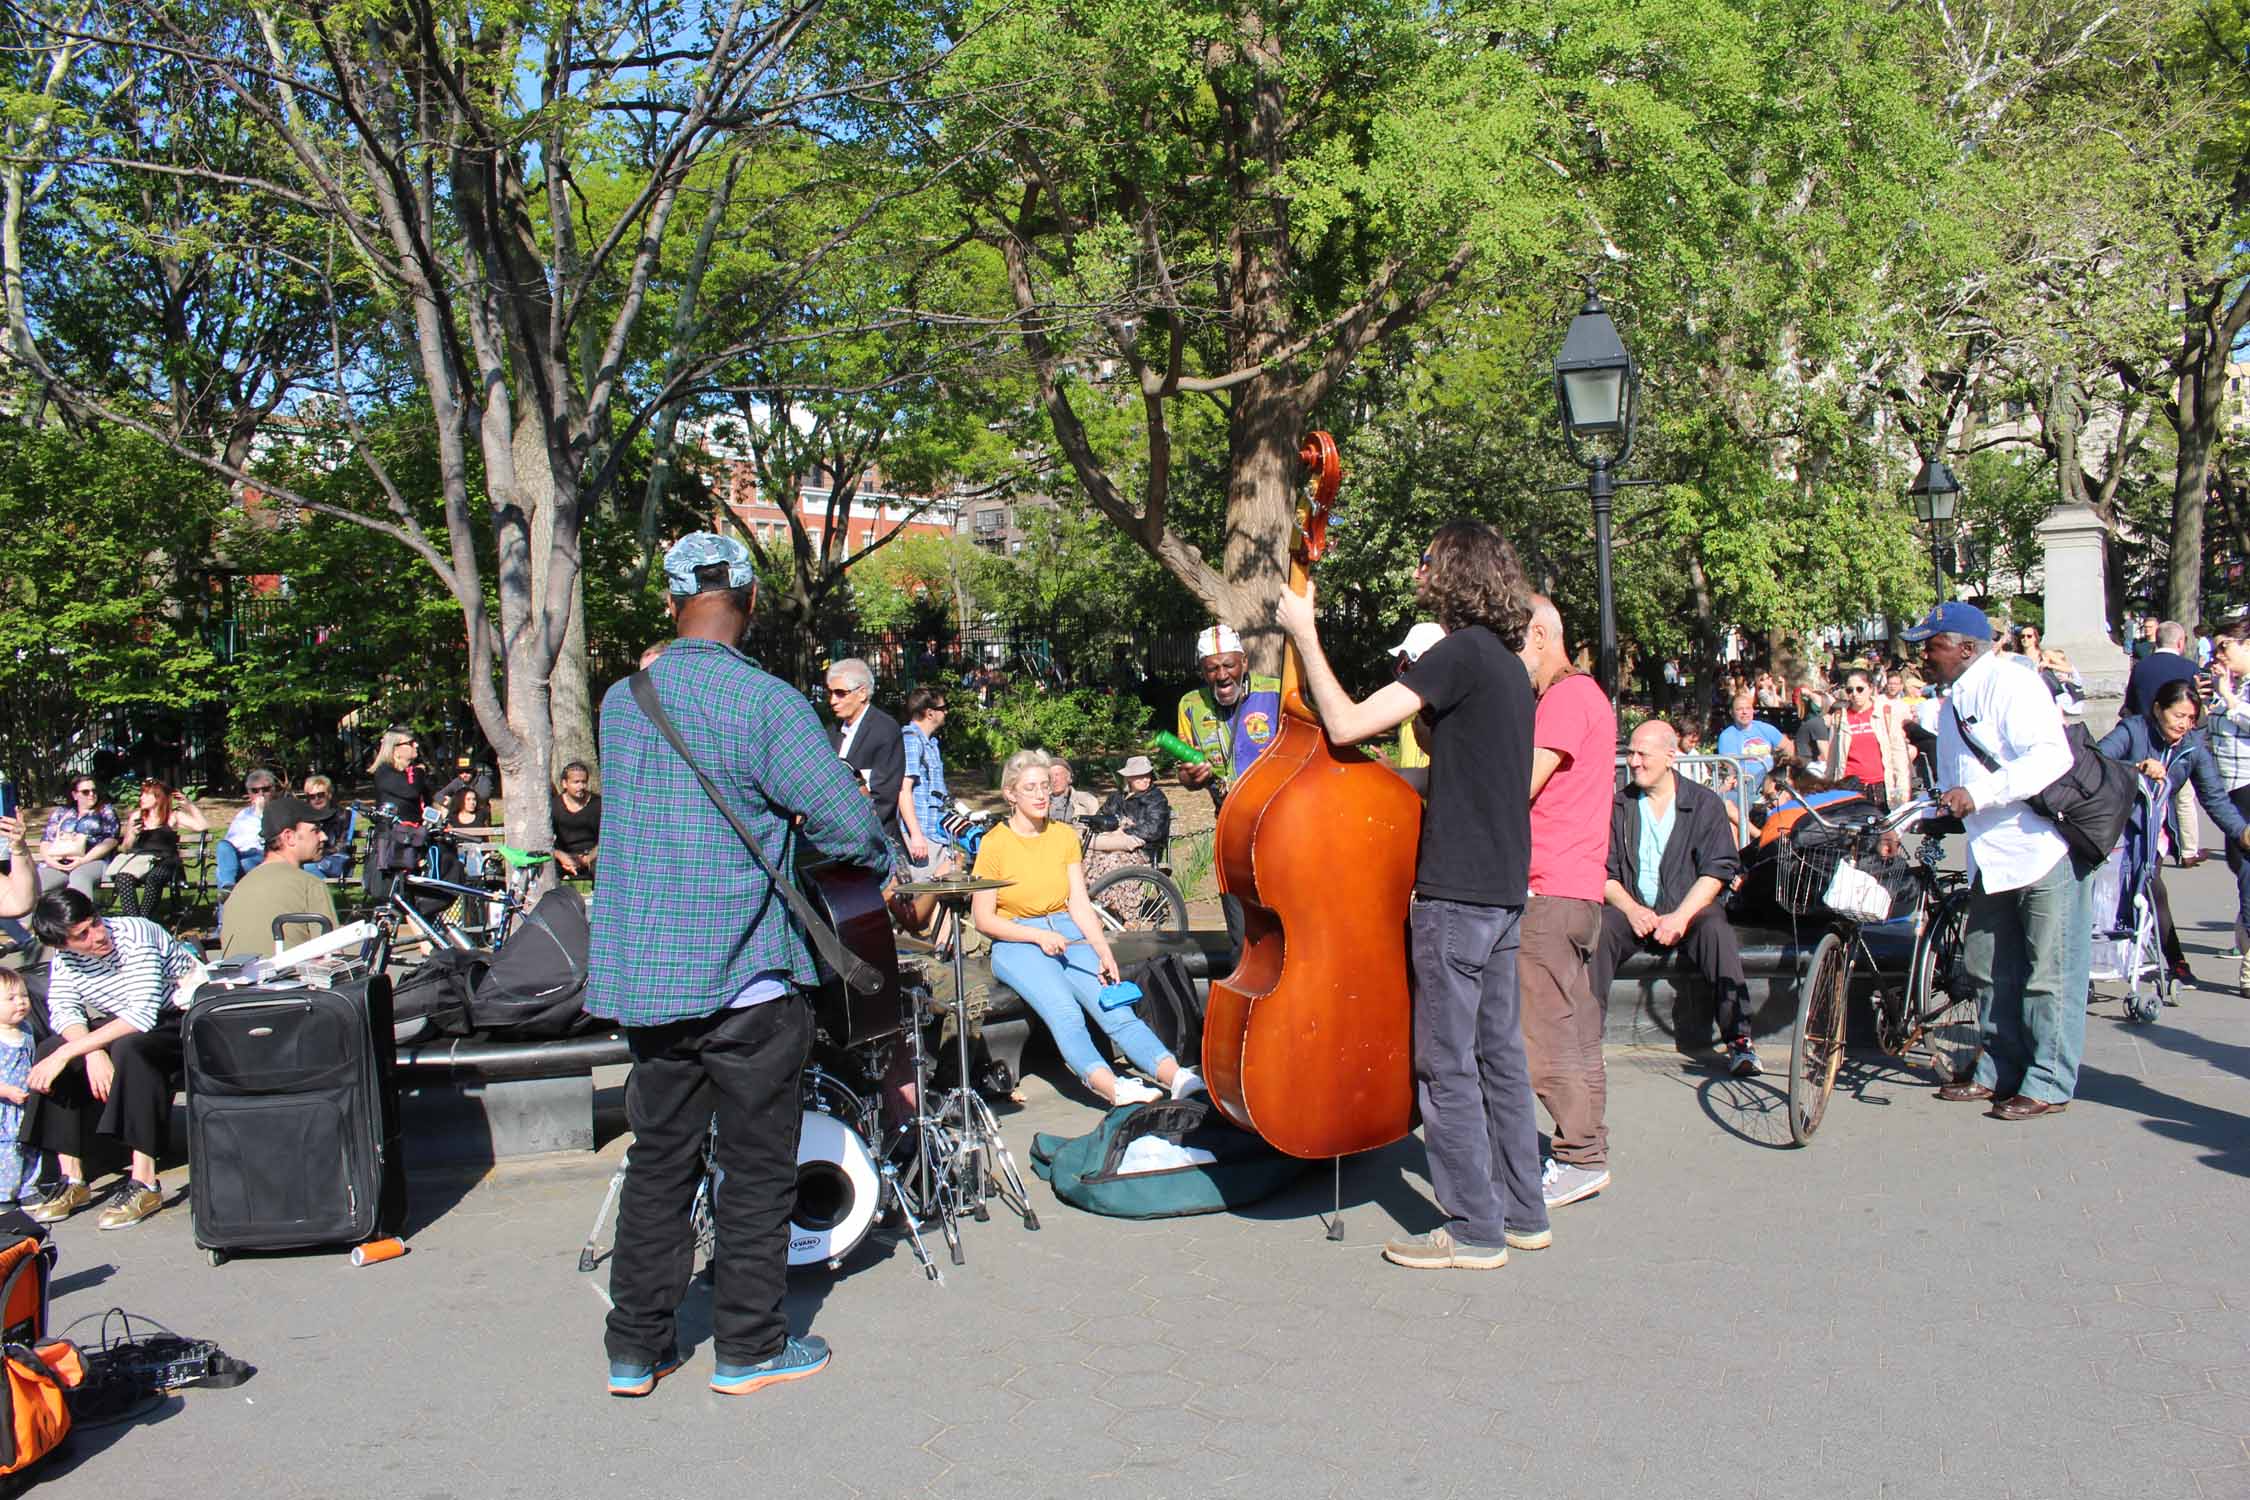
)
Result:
{"points": [[1019, 763], [2171, 636], [856, 673]]}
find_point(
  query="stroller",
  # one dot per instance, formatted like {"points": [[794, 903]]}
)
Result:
{"points": [[2128, 941]]}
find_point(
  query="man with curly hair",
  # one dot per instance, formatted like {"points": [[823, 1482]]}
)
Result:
{"points": [[1479, 1117]]}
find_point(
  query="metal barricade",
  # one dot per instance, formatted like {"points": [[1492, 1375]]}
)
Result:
{"points": [[1735, 778]]}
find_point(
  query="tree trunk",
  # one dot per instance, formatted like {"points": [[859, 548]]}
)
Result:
{"points": [[1261, 493], [2191, 487]]}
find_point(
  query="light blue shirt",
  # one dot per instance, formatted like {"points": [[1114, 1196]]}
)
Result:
{"points": [[1734, 738], [1656, 832]]}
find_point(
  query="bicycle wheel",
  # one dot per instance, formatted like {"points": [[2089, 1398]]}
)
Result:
{"points": [[1817, 1049], [1139, 898], [1943, 1008]]}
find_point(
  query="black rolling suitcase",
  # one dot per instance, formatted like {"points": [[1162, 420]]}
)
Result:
{"points": [[292, 1116]]}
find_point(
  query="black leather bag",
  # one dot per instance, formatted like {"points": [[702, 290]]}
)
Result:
{"points": [[2088, 804]]}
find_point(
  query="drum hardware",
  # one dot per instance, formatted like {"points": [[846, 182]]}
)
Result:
{"points": [[938, 1164]]}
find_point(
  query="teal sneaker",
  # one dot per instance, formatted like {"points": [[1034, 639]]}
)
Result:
{"points": [[629, 1379], [798, 1358]]}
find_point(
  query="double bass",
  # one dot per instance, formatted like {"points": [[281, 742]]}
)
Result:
{"points": [[1309, 1042]]}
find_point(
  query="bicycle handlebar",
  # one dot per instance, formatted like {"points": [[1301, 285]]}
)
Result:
{"points": [[1910, 812]]}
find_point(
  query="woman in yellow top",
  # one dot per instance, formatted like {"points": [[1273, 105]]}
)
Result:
{"points": [[1047, 945]]}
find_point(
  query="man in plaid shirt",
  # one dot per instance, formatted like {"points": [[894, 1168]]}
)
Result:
{"points": [[696, 955]]}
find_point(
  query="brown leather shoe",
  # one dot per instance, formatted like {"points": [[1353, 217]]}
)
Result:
{"points": [[2023, 1107], [1964, 1093]]}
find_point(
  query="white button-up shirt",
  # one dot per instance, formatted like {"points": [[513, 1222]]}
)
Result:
{"points": [[2015, 718]]}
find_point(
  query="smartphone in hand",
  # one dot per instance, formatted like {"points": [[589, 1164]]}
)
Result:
{"points": [[7, 799]]}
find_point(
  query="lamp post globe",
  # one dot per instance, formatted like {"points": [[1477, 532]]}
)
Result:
{"points": [[1935, 493], [1597, 388]]}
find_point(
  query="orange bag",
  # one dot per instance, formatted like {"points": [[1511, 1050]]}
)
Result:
{"points": [[38, 1419], [25, 1266]]}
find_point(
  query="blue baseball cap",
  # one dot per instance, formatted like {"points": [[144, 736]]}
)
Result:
{"points": [[701, 549], [1951, 618]]}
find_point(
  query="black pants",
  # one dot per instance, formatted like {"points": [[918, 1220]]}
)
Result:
{"points": [[1709, 944], [67, 1119], [742, 1065]]}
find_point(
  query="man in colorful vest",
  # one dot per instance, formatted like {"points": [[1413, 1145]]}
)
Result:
{"points": [[1232, 717]]}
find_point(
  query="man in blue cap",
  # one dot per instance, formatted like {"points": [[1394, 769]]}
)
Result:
{"points": [[2029, 935], [709, 976]]}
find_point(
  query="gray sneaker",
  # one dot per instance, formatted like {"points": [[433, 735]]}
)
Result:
{"points": [[1563, 1183], [1439, 1251]]}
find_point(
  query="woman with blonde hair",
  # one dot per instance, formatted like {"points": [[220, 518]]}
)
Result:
{"points": [[1048, 946]]}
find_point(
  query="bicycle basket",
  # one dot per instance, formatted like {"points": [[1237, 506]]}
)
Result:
{"points": [[1809, 859]]}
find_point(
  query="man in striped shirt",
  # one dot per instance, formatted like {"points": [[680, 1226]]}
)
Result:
{"points": [[109, 1066]]}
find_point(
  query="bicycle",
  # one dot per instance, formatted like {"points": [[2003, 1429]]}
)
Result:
{"points": [[1930, 1006]]}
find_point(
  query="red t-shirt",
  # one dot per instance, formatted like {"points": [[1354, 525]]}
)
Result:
{"points": [[1863, 751], [1570, 816]]}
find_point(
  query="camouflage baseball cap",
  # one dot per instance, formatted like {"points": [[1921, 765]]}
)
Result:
{"points": [[700, 549]]}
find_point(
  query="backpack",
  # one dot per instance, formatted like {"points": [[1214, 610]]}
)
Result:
{"points": [[33, 1380], [533, 987], [34, 1372], [1171, 1005], [1085, 1171]]}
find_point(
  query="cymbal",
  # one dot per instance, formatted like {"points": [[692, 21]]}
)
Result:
{"points": [[956, 885]]}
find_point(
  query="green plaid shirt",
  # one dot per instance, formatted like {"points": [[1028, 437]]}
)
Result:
{"points": [[683, 918]]}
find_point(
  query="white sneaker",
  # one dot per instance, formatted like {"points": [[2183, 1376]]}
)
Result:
{"points": [[1133, 1091], [1185, 1082]]}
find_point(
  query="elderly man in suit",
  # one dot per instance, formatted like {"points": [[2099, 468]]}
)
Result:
{"points": [[868, 739]]}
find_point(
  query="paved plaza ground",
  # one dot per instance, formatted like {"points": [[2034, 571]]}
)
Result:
{"points": [[1924, 1303]]}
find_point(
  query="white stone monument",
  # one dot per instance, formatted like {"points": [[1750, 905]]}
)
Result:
{"points": [[2078, 607]]}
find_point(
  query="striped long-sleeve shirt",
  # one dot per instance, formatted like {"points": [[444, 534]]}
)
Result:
{"points": [[684, 919]]}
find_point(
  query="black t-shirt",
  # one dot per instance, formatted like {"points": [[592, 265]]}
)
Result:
{"points": [[1476, 828], [577, 832], [1812, 736], [402, 792]]}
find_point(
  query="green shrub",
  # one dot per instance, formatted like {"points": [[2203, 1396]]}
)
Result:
{"points": [[1080, 724]]}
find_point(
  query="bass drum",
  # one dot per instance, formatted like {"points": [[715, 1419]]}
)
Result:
{"points": [[838, 1192]]}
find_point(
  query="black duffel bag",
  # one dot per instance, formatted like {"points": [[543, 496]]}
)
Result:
{"points": [[432, 998], [534, 987]]}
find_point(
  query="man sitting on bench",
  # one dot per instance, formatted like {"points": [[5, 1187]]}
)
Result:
{"points": [[281, 884], [1672, 855], [110, 1067]]}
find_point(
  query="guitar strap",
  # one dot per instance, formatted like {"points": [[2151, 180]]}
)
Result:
{"points": [[856, 972]]}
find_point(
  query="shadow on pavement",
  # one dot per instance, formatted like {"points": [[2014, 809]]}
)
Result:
{"points": [[87, 1441], [2221, 1131]]}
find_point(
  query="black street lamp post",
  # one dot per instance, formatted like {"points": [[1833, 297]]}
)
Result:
{"points": [[1935, 492], [1597, 385]]}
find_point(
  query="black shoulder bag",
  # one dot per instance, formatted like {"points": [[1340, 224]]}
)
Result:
{"points": [[2088, 804], [856, 972]]}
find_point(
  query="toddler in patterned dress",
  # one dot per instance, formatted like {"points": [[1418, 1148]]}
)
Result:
{"points": [[19, 1163]]}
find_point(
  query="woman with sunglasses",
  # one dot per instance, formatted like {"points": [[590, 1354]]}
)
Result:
{"points": [[79, 839], [1868, 744]]}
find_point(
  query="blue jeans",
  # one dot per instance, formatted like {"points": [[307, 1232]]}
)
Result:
{"points": [[234, 864], [1480, 1122], [331, 866], [1059, 989], [2026, 953]]}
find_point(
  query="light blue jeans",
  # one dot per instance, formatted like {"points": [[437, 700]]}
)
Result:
{"points": [[2026, 953], [233, 864], [1064, 991]]}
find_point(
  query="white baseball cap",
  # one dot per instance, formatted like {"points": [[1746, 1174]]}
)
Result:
{"points": [[1418, 640]]}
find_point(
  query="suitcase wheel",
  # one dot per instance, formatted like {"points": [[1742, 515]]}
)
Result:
{"points": [[215, 1257]]}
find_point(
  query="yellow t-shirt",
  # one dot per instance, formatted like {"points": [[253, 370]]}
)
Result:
{"points": [[1039, 868]]}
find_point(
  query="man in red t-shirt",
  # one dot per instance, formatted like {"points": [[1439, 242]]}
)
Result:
{"points": [[1573, 782]]}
